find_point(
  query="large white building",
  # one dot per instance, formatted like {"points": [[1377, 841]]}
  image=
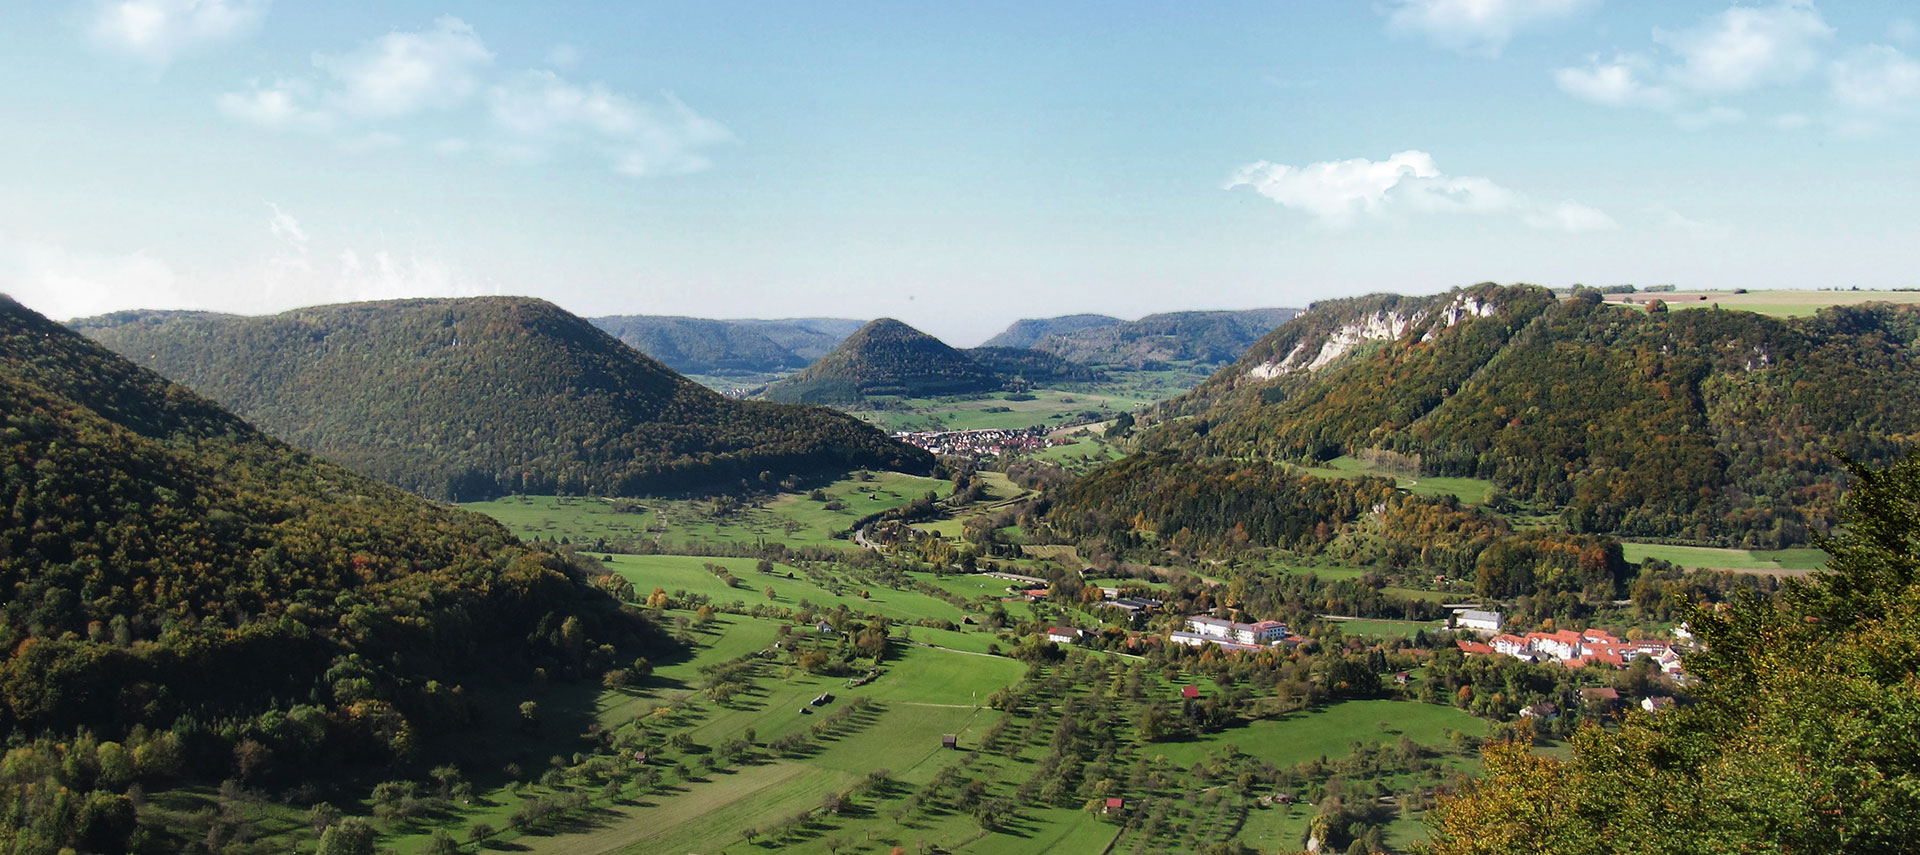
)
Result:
{"points": [[1476, 619], [1218, 631]]}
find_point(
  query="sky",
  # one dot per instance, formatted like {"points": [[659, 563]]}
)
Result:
{"points": [[957, 166]]}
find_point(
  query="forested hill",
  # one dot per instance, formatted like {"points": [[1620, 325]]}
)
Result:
{"points": [[808, 338], [469, 398], [1026, 332], [1210, 338], [886, 357], [1706, 425], [201, 598], [701, 345]]}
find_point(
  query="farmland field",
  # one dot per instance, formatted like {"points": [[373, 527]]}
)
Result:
{"points": [[1789, 562], [792, 518], [1777, 303]]}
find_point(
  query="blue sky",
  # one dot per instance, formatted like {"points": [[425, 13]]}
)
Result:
{"points": [[954, 165]]}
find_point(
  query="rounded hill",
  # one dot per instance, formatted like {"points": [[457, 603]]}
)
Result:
{"points": [[465, 399]]}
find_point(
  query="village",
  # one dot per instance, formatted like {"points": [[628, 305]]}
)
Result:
{"points": [[984, 442]]}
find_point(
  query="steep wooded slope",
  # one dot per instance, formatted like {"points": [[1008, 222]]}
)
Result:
{"points": [[470, 398], [1028, 331], [179, 584], [1708, 425]]}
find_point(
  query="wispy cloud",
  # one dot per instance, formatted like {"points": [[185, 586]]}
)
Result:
{"points": [[403, 72], [1481, 27], [1690, 74], [1340, 193], [528, 116], [156, 31], [543, 109]]}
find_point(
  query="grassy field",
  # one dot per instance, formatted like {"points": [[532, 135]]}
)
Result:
{"points": [[790, 518], [1778, 303], [1786, 562], [688, 573], [1468, 490], [1389, 628]]}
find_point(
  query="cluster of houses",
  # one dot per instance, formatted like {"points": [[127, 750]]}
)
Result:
{"points": [[1203, 630], [1575, 649], [979, 443]]}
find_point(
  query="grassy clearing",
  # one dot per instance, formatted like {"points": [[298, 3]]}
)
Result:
{"points": [[1331, 731], [1785, 304], [1472, 491], [791, 518], [1796, 562], [688, 573], [1390, 628]]}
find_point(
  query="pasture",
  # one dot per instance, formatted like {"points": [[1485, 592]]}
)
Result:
{"points": [[1784, 304], [1782, 562], [794, 518]]}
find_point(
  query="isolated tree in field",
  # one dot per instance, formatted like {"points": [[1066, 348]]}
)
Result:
{"points": [[350, 836]]}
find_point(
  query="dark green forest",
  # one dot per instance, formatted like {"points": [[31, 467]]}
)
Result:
{"points": [[886, 357], [1210, 338], [700, 345], [1703, 425], [474, 398], [187, 599]]}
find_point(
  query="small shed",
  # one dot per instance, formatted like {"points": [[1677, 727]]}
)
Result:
{"points": [[1114, 806], [950, 740], [1190, 692]]}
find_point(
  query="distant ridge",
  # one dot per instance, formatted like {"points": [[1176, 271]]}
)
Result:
{"points": [[701, 345], [1029, 331], [807, 338], [1207, 338], [471, 398]]}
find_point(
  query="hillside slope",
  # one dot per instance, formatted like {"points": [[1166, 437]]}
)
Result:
{"points": [[700, 345], [181, 585], [807, 338], [1212, 338], [1026, 332], [1712, 426], [471, 398], [886, 357]]}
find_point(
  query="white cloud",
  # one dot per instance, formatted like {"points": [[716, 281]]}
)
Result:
{"points": [[63, 284], [155, 31], [1876, 78], [1747, 47], [542, 109], [1736, 51], [280, 105], [401, 73], [1478, 26], [1620, 82], [1338, 193], [1791, 121], [451, 147]]}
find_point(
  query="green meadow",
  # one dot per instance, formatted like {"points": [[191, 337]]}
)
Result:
{"points": [[1782, 561]]}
